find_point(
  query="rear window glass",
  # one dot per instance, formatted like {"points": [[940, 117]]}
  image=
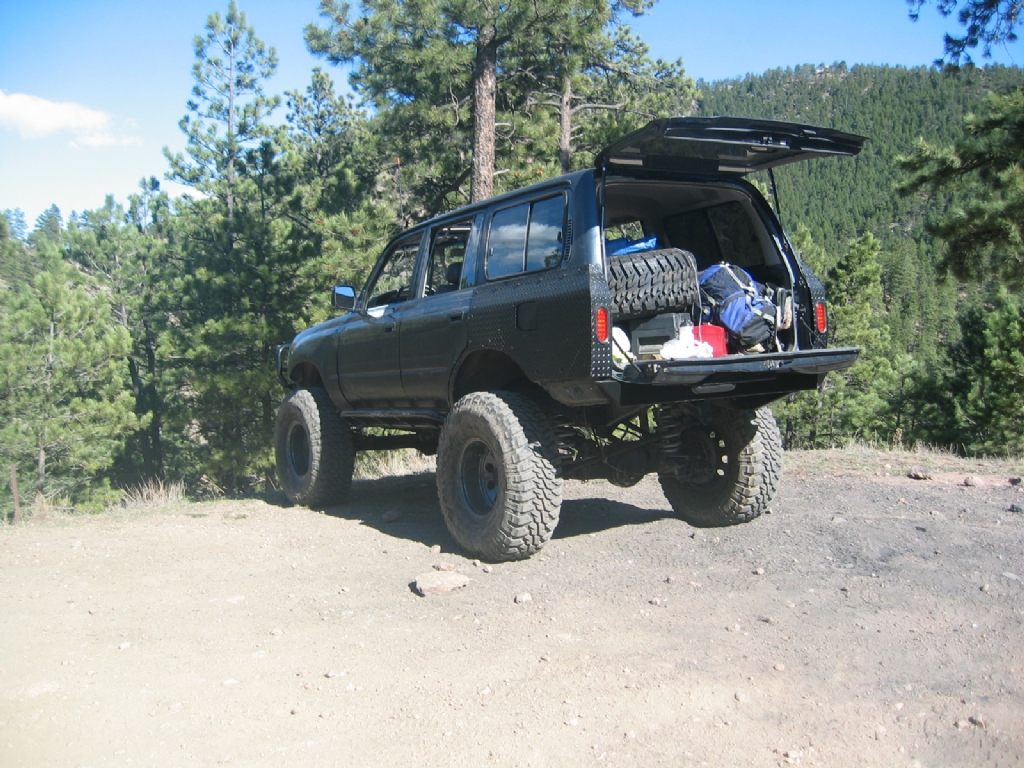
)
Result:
{"points": [[527, 237], [722, 233], [544, 242], [736, 235], [508, 241]]}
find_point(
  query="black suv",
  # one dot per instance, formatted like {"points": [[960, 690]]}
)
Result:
{"points": [[511, 339]]}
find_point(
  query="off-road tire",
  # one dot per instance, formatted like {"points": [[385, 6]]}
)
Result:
{"points": [[745, 449], [651, 282], [313, 447], [498, 476]]}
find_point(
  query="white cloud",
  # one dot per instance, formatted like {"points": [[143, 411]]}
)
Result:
{"points": [[33, 117], [105, 140]]}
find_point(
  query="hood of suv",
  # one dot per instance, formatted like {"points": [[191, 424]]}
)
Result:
{"points": [[723, 145]]}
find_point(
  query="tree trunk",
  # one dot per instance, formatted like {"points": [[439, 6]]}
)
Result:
{"points": [[269, 418], [41, 463], [41, 458], [565, 125], [231, 146], [152, 404], [485, 78]]}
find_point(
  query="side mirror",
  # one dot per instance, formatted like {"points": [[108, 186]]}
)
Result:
{"points": [[344, 297]]}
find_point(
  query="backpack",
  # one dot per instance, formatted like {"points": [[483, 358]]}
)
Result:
{"points": [[732, 298]]}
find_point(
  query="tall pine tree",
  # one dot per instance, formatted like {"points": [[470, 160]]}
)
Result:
{"points": [[237, 294], [64, 406]]}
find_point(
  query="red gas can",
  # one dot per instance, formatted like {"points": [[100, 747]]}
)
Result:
{"points": [[713, 335]]}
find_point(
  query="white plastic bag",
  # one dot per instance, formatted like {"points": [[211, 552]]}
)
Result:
{"points": [[685, 346]]}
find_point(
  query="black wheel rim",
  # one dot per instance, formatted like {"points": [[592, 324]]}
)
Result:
{"points": [[716, 452], [298, 450], [480, 478]]}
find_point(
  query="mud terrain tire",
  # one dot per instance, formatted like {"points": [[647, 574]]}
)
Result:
{"points": [[313, 447], [498, 476], [652, 282], [745, 449]]}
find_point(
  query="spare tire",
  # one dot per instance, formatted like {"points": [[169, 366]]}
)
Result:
{"points": [[652, 282]]}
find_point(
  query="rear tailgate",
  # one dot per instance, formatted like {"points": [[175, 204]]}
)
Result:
{"points": [[768, 374]]}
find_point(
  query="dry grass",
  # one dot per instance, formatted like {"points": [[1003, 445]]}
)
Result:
{"points": [[864, 459], [371, 465], [43, 508], [858, 458], [154, 493]]}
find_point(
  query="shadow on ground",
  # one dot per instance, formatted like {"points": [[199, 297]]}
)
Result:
{"points": [[412, 501], [584, 516]]}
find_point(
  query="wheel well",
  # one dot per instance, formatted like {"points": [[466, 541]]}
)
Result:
{"points": [[486, 370], [306, 375]]}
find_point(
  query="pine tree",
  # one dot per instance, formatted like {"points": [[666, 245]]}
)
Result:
{"points": [[49, 226], [857, 316], [445, 77], [16, 263], [973, 402], [127, 254], [855, 403], [985, 22], [229, 108], [589, 80], [984, 236], [238, 292], [341, 217], [64, 406]]}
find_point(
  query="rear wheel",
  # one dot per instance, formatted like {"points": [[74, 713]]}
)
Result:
{"points": [[652, 281], [498, 476], [313, 448], [744, 454]]}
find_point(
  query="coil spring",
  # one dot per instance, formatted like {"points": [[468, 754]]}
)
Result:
{"points": [[670, 428], [565, 435]]}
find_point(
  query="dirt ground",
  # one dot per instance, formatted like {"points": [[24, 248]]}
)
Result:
{"points": [[870, 620]]}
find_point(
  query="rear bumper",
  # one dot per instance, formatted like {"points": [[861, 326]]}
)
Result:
{"points": [[739, 367], [772, 375]]}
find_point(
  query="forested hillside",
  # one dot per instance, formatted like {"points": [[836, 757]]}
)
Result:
{"points": [[893, 106], [137, 339], [907, 319]]}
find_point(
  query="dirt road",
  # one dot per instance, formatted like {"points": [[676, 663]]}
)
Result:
{"points": [[870, 620]]}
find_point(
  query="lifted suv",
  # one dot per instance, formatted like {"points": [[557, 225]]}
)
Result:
{"points": [[508, 339]]}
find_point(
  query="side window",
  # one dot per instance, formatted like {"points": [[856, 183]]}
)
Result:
{"points": [[394, 280], [447, 257], [508, 241], [527, 237], [544, 241]]}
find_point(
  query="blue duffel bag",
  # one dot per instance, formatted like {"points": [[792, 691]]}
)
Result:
{"points": [[732, 298]]}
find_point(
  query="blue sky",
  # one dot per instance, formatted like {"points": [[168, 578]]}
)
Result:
{"points": [[90, 92]]}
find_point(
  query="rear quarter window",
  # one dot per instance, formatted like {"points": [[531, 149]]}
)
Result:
{"points": [[527, 237]]}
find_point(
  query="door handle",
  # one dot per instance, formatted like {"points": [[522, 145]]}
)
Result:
{"points": [[456, 316], [389, 328]]}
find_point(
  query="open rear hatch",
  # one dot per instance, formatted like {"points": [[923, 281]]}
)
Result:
{"points": [[726, 147], [722, 145]]}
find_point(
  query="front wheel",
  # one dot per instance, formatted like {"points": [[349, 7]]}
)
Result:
{"points": [[313, 447], [743, 450], [498, 476]]}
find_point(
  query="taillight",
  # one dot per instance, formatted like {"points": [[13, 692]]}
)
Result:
{"points": [[602, 324], [821, 317]]}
